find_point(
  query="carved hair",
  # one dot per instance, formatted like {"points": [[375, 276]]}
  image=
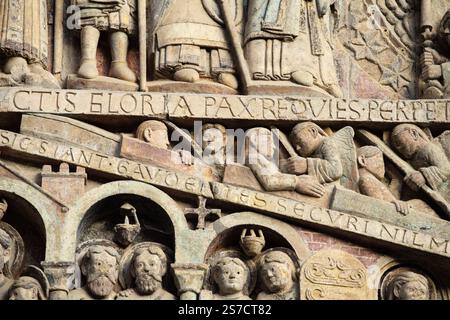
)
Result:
{"points": [[5, 239], [155, 251], [150, 124], [279, 257], [404, 277], [217, 126], [403, 127], [28, 283], [97, 250], [304, 125], [369, 151], [226, 260]]}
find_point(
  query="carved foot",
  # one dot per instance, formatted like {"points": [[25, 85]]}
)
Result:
{"points": [[88, 69], [229, 80], [335, 91], [46, 79], [186, 75], [303, 78], [120, 70], [16, 65]]}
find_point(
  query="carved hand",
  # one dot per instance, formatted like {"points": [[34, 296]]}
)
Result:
{"points": [[431, 72], [415, 180], [433, 176], [297, 165], [402, 207], [309, 186], [125, 293]]}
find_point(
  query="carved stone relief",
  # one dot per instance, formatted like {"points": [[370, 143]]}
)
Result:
{"points": [[157, 150], [333, 275]]}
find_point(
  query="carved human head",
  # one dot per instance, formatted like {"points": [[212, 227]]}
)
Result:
{"points": [[149, 265], [26, 288], [408, 138], [306, 137], [277, 271], [231, 275], [409, 285], [259, 142], [214, 144], [154, 132], [444, 30], [371, 158], [5, 251], [100, 267], [214, 136]]}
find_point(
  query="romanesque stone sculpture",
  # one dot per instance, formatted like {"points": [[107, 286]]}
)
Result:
{"points": [[325, 158], [435, 63], [260, 151], [231, 277], [407, 285], [5, 255], [252, 244], [155, 133], [27, 288], [117, 18], [426, 155], [191, 42], [148, 267], [99, 266], [214, 144], [127, 232], [278, 275], [24, 44], [291, 40], [371, 175]]}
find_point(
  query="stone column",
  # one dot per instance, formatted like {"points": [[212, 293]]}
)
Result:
{"points": [[60, 276], [189, 279]]}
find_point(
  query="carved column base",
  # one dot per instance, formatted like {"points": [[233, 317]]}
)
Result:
{"points": [[60, 277], [189, 279]]}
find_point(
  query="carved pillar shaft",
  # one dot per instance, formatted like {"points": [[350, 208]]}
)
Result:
{"points": [[189, 279], [60, 277]]}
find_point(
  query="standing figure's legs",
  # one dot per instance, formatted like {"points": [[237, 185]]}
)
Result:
{"points": [[89, 42], [119, 65]]}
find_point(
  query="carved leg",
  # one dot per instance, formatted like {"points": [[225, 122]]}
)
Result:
{"points": [[89, 43], [119, 49]]}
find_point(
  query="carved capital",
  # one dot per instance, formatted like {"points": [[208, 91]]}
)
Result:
{"points": [[60, 277], [189, 279]]}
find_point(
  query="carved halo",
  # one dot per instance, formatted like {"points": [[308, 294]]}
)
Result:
{"points": [[17, 249], [386, 282], [125, 278], [82, 250], [232, 253]]}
